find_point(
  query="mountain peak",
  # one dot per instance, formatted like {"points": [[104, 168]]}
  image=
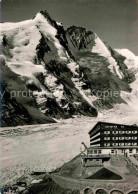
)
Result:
{"points": [[46, 14], [64, 70]]}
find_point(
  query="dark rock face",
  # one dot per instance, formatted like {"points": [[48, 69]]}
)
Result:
{"points": [[61, 34], [42, 48], [13, 113], [101, 81], [97, 76], [16, 110], [71, 94], [80, 38]]}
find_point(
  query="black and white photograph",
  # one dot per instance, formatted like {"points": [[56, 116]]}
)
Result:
{"points": [[68, 96]]}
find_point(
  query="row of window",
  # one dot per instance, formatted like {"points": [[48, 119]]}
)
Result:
{"points": [[94, 151], [121, 132], [127, 132], [113, 126], [120, 144], [112, 151], [120, 138], [123, 151]]}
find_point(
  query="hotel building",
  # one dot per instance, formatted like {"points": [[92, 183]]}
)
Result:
{"points": [[108, 139]]}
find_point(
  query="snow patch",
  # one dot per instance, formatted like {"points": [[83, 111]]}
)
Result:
{"points": [[58, 93], [131, 60], [50, 32], [56, 89], [132, 63], [25, 36], [36, 181], [73, 67], [86, 94], [78, 84], [59, 23], [102, 50], [25, 68]]}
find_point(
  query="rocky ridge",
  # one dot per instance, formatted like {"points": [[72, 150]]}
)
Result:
{"points": [[68, 72]]}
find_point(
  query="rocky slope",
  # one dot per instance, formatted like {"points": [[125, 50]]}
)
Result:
{"points": [[66, 72], [42, 184], [18, 110]]}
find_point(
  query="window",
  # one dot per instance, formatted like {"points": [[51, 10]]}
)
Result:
{"points": [[127, 138], [115, 144], [115, 132], [121, 132], [99, 151], [107, 138], [128, 132], [112, 151], [134, 132], [95, 151], [134, 137], [134, 143], [107, 126], [136, 150], [107, 144], [130, 151], [107, 132], [121, 143], [91, 151], [115, 138], [121, 138]]}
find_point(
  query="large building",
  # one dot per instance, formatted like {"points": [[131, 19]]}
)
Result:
{"points": [[110, 135], [108, 139]]}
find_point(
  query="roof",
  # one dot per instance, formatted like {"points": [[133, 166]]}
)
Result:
{"points": [[100, 156], [101, 122], [114, 147]]}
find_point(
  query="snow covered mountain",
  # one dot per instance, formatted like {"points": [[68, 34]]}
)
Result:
{"points": [[66, 72]]}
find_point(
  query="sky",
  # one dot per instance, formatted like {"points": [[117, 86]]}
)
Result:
{"points": [[115, 21]]}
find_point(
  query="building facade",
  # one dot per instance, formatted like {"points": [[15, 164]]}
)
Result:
{"points": [[107, 139], [113, 135], [92, 151]]}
